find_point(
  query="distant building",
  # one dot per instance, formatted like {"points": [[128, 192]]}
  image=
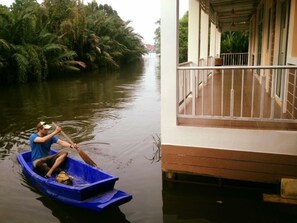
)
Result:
{"points": [[150, 48]]}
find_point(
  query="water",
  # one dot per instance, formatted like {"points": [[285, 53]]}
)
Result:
{"points": [[114, 117]]}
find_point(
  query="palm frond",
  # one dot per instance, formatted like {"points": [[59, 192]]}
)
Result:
{"points": [[22, 65]]}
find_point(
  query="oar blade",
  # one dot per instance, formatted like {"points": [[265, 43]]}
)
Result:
{"points": [[86, 158], [82, 154]]}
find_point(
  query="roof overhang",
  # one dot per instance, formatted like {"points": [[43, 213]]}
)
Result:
{"points": [[233, 15]]}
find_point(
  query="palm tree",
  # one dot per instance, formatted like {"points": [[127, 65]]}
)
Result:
{"points": [[234, 42], [29, 51], [39, 40]]}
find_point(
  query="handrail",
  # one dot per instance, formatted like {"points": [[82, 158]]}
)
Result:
{"points": [[269, 98], [237, 67]]}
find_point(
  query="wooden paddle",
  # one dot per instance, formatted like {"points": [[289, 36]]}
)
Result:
{"points": [[82, 154]]}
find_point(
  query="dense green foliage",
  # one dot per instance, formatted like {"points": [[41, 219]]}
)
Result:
{"points": [[183, 38], [157, 38], [231, 42], [234, 42], [39, 40]]}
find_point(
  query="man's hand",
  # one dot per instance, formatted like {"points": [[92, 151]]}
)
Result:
{"points": [[73, 146], [58, 129]]}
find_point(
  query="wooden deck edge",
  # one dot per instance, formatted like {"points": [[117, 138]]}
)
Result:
{"points": [[275, 198], [236, 165]]}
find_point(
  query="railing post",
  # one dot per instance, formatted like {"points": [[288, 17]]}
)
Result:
{"points": [[253, 93], [212, 92], [184, 91], [205, 74], [232, 96], [263, 79], [193, 80], [294, 95], [242, 92], [222, 93], [272, 95], [285, 92]]}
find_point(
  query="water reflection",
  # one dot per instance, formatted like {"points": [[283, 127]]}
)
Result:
{"points": [[69, 214], [232, 202], [112, 116], [76, 103]]}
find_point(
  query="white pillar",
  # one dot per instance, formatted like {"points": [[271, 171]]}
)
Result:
{"points": [[193, 31], [204, 35], [213, 40], [218, 43], [169, 63]]}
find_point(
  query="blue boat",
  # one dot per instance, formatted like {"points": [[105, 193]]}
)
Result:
{"points": [[92, 188]]}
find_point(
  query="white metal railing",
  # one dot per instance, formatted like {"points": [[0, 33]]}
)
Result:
{"points": [[234, 59], [249, 93]]}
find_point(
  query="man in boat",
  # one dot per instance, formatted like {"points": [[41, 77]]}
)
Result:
{"points": [[40, 142]]}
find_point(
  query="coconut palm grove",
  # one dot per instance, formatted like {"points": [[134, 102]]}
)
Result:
{"points": [[39, 41]]}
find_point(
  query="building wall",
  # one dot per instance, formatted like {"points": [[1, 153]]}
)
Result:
{"points": [[227, 140], [292, 44], [294, 31]]}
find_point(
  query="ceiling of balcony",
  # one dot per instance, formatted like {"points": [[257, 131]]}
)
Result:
{"points": [[234, 15]]}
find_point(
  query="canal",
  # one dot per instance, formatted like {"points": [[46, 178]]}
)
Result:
{"points": [[115, 118]]}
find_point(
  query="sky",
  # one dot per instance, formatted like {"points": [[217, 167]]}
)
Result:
{"points": [[143, 14]]}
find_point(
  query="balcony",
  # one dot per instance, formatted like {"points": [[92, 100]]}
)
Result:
{"points": [[252, 97]]}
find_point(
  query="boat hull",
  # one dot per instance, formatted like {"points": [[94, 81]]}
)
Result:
{"points": [[92, 188]]}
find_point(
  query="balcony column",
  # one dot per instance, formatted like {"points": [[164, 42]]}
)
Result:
{"points": [[193, 31], [169, 63], [213, 40], [204, 35], [218, 42]]}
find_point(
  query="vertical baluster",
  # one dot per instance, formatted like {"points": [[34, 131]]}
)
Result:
{"points": [[294, 95], [272, 95], [198, 82], [184, 91], [242, 87], [222, 93], [212, 92], [193, 80], [284, 93], [253, 93], [202, 86], [232, 96], [263, 79]]}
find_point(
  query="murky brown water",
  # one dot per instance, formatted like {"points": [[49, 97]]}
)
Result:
{"points": [[113, 117]]}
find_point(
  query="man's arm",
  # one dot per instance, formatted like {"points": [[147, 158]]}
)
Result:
{"points": [[47, 137], [64, 143]]}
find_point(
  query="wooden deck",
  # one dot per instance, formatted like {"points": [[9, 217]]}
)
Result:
{"points": [[228, 164], [243, 106]]}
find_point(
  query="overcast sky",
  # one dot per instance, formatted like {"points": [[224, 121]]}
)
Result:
{"points": [[142, 13]]}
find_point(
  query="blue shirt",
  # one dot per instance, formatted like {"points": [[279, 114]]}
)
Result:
{"points": [[40, 150]]}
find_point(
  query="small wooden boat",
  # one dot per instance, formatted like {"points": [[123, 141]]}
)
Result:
{"points": [[92, 188]]}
